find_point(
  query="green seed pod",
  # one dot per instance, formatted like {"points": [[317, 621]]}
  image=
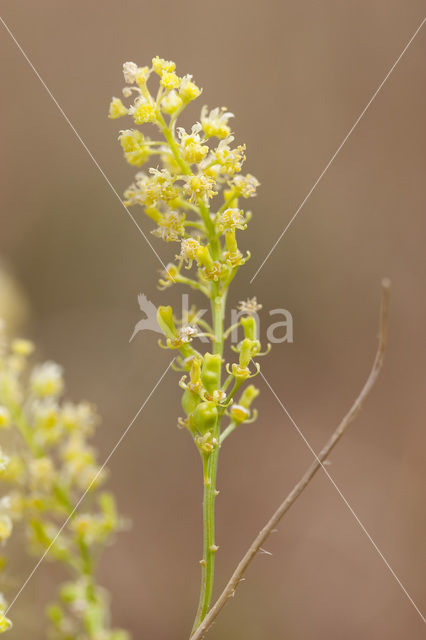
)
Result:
{"points": [[153, 213], [205, 417], [248, 395], [195, 372], [210, 373], [189, 401], [246, 352], [231, 241], [166, 322], [203, 255], [241, 412], [250, 328]]}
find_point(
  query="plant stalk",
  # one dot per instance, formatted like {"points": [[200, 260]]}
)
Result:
{"points": [[210, 463]]}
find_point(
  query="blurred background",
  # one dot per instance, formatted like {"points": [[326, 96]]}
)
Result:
{"points": [[296, 75]]}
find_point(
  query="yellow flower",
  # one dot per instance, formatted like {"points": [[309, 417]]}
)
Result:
{"points": [[90, 478], [194, 152], [216, 122], [130, 70], [231, 219], [188, 250], [192, 149], [234, 259], [85, 526], [170, 226], [77, 454], [160, 186], [168, 276], [5, 527], [161, 66], [171, 102], [117, 109], [18, 503], [4, 417], [170, 80], [188, 89], [199, 186], [22, 347], [239, 413], [136, 193], [42, 472], [46, 379], [78, 417], [143, 111], [5, 623], [230, 160], [246, 185], [14, 471], [46, 420], [132, 73], [135, 150]]}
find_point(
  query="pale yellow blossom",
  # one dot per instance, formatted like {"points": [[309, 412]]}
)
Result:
{"points": [[117, 109]]}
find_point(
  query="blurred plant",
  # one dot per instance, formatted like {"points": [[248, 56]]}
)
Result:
{"points": [[50, 463], [181, 197]]}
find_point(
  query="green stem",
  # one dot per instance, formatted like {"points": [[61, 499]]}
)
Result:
{"points": [[227, 202], [227, 432], [209, 549], [218, 311], [235, 388], [191, 283], [210, 463]]}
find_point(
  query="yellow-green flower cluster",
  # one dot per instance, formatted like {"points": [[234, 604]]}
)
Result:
{"points": [[50, 464], [193, 193], [193, 169]]}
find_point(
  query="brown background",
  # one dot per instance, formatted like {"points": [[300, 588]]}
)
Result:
{"points": [[297, 75]]}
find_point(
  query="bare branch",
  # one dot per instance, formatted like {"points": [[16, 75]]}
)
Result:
{"points": [[256, 545]]}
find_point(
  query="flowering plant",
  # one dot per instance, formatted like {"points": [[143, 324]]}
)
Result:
{"points": [[50, 467], [182, 198]]}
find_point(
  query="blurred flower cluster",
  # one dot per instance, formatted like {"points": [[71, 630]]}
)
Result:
{"points": [[47, 463]]}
